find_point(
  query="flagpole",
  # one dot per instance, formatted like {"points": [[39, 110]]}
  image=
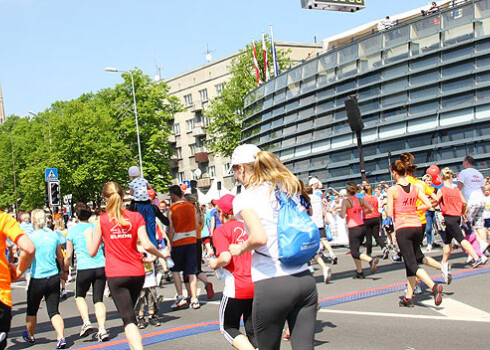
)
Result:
{"points": [[274, 54]]}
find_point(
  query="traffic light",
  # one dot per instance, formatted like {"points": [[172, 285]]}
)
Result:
{"points": [[54, 194]]}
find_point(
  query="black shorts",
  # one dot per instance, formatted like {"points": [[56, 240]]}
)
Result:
{"points": [[49, 288], [5, 317], [184, 257], [323, 234], [125, 292], [91, 277], [453, 229]]}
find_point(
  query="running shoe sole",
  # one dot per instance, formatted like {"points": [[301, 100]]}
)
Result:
{"points": [[86, 331], [209, 290], [406, 303], [102, 337], [437, 294], [28, 339], [195, 306], [374, 265], [61, 344], [179, 305]]}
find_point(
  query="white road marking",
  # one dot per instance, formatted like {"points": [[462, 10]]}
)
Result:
{"points": [[453, 309]]}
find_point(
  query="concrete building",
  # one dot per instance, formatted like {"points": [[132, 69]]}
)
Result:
{"points": [[423, 87], [195, 88]]}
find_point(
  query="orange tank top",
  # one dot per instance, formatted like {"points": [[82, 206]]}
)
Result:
{"points": [[354, 214], [405, 213], [184, 223], [373, 202], [451, 203]]}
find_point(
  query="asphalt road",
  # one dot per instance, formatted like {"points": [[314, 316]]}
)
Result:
{"points": [[355, 314]]}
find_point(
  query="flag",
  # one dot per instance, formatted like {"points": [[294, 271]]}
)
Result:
{"points": [[256, 64], [274, 55], [264, 51]]}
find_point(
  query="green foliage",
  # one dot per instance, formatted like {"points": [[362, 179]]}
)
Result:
{"points": [[225, 113], [93, 140]]}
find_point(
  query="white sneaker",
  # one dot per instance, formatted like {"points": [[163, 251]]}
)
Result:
{"points": [[469, 259], [429, 248], [483, 247], [180, 301], [327, 274], [484, 259], [445, 269]]}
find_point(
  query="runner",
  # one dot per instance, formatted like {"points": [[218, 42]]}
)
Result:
{"points": [[45, 279], [372, 221], [121, 229], [281, 293], [429, 214], [238, 292], [90, 272], [401, 206], [352, 209], [9, 272], [453, 206]]}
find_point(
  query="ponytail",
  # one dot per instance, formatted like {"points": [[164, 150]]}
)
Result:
{"points": [[398, 167], [447, 174], [114, 195], [408, 160]]}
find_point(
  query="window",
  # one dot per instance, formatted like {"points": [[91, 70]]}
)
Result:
{"points": [[176, 129], [226, 169], [193, 148], [181, 177], [203, 94], [188, 100], [219, 88], [178, 152], [212, 171], [190, 124], [204, 121]]}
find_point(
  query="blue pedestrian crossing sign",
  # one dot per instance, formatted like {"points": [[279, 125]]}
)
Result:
{"points": [[51, 174]]}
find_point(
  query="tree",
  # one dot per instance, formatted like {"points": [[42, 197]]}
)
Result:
{"points": [[225, 112]]}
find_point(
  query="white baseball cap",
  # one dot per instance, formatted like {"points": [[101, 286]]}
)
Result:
{"points": [[314, 181], [134, 171], [244, 154]]}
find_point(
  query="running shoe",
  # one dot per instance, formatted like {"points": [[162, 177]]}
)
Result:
{"points": [[374, 265], [141, 322], [27, 338], [286, 336], [63, 294], [397, 258], [484, 259], [327, 274], [477, 262], [386, 253], [209, 290], [417, 290], [195, 304], [180, 302], [429, 248], [469, 260], [102, 335], [437, 293], [312, 269], [160, 298], [86, 329], [334, 258], [168, 276], [406, 302], [153, 320], [359, 276], [61, 343], [484, 247]]}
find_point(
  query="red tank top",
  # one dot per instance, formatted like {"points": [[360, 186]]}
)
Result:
{"points": [[372, 201], [354, 214], [405, 209], [451, 203]]}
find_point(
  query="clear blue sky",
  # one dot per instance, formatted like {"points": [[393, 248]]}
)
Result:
{"points": [[57, 49]]}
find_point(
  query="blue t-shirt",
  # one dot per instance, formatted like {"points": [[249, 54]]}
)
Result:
{"points": [[84, 260], [44, 264], [217, 221], [26, 227]]}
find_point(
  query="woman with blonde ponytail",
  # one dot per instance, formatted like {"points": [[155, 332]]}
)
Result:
{"points": [[281, 293], [121, 229]]}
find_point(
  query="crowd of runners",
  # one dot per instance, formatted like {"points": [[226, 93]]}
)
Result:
{"points": [[126, 253]]}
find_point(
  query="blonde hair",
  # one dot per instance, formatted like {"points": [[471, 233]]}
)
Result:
{"points": [[114, 196], [38, 219], [268, 168], [59, 224], [25, 218], [447, 174], [426, 177]]}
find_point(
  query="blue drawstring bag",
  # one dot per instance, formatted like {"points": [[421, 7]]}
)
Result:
{"points": [[298, 235], [328, 233]]}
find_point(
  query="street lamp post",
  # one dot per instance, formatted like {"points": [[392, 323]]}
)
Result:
{"points": [[44, 133], [111, 69]]}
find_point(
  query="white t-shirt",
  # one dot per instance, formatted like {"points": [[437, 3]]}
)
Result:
{"points": [[265, 263], [472, 180], [140, 190], [317, 207]]}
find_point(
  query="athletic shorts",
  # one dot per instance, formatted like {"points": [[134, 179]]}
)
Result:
{"points": [[475, 214], [487, 223], [184, 257], [49, 288], [91, 277], [323, 234], [5, 317]]}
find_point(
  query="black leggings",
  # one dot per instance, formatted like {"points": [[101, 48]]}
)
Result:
{"points": [[372, 230], [125, 291], [293, 298], [453, 229], [230, 312], [91, 277], [5, 317], [408, 240], [356, 236], [49, 288]]}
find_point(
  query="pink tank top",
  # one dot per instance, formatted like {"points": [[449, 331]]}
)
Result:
{"points": [[451, 203], [354, 214], [372, 201], [405, 209]]}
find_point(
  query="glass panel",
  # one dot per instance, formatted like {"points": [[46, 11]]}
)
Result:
{"points": [[280, 96], [459, 84], [310, 68], [483, 45], [340, 129], [292, 105], [287, 154], [348, 53], [291, 129], [369, 46], [307, 100], [290, 118], [325, 78], [308, 112], [324, 94], [292, 91], [466, 67], [369, 135], [270, 87], [327, 61], [277, 133], [395, 71], [391, 130], [346, 86], [368, 63], [425, 27], [303, 151], [395, 36], [483, 95], [308, 84], [340, 115], [320, 161], [482, 27], [371, 120], [369, 78], [294, 75], [323, 107], [342, 141], [394, 99], [266, 116], [341, 156], [483, 112], [457, 35], [424, 63], [457, 134], [428, 107], [457, 100], [322, 133], [482, 9], [324, 120], [302, 164], [391, 146], [347, 70], [395, 54], [370, 92], [281, 81], [419, 141], [456, 117], [370, 105], [277, 111], [458, 16], [425, 93], [268, 102], [265, 137], [424, 45], [394, 114], [289, 142], [483, 130], [301, 139], [320, 146], [457, 53], [394, 85]]}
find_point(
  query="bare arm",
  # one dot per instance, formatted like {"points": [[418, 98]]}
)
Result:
{"points": [[257, 238], [465, 204], [68, 253], [25, 259], [93, 239], [421, 195], [223, 260], [171, 231], [343, 212], [460, 185], [390, 202]]}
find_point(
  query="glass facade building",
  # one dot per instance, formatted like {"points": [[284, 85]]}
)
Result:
{"points": [[422, 87]]}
